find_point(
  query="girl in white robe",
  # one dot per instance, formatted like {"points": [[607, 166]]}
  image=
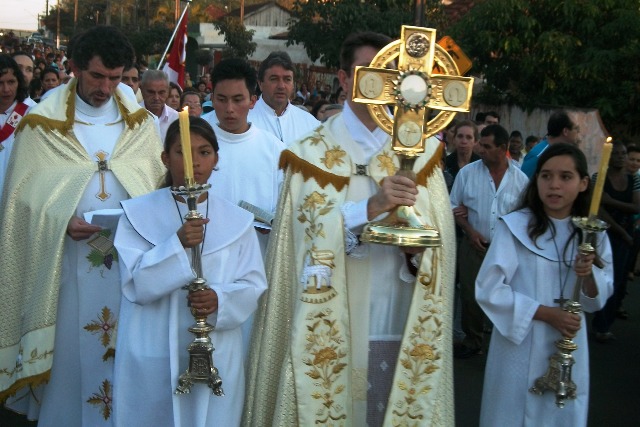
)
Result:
{"points": [[152, 242], [531, 263]]}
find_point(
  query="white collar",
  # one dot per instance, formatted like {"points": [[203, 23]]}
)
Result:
{"points": [[269, 109]]}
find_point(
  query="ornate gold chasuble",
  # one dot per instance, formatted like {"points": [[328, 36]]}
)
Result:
{"points": [[300, 365], [47, 177]]}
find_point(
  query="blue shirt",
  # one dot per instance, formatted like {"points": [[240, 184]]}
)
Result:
{"points": [[531, 159]]}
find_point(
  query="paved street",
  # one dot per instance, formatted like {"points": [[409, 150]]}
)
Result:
{"points": [[615, 375]]}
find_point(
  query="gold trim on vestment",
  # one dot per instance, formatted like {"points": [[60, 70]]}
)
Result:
{"points": [[288, 160]]}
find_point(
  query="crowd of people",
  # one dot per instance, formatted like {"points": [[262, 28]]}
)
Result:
{"points": [[312, 325]]}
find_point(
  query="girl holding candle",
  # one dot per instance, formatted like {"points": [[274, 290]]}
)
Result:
{"points": [[531, 266], [153, 242]]}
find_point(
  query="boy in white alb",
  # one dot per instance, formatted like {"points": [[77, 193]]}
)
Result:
{"points": [[248, 166]]}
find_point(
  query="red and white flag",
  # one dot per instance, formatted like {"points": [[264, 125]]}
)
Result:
{"points": [[175, 65]]}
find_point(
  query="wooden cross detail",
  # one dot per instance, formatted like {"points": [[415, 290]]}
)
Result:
{"points": [[413, 88], [103, 167]]}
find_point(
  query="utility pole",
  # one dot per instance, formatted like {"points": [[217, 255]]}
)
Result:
{"points": [[108, 13], [418, 15], [58, 27], [242, 12], [75, 16]]}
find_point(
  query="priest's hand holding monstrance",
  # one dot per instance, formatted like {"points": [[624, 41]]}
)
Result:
{"points": [[426, 79]]}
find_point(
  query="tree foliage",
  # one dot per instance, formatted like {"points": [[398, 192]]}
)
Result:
{"points": [[239, 41], [322, 25], [580, 53]]}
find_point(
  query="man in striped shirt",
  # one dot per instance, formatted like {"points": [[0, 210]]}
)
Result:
{"points": [[482, 192]]}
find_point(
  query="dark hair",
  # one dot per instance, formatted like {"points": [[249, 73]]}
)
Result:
{"points": [[189, 91], [238, 69], [176, 86], [50, 70], [531, 138], [467, 123], [540, 222], [632, 148], [558, 122], [133, 65], [108, 43], [515, 134], [500, 134], [8, 63], [355, 41], [279, 58], [492, 114], [317, 106], [197, 125], [35, 86]]}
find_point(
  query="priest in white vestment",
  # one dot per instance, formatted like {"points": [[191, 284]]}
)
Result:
{"points": [[86, 148], [346, 334]]}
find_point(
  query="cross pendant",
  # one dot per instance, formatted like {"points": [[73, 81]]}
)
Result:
{"points": [[561, 301], [102, 168]]}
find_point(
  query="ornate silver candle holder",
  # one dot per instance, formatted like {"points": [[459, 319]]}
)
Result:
{"points": [[201, 368]]}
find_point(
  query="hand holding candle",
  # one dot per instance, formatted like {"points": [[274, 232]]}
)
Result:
{"points": [[185, 140], [602, 176]]}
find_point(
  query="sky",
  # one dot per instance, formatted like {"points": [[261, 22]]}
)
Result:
{"points": [[22, 14]]}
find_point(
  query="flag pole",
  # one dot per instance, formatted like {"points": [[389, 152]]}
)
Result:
{"points": [[173, 36]]}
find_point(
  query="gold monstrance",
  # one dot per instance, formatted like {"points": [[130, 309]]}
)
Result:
{"points": [[414, 88]]}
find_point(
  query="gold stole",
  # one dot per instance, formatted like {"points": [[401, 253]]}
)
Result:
{"points": [[320, 346]]}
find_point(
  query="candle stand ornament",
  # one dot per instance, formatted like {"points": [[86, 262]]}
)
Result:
{"points": [[201, 368], [558, 375], [427, 78]]}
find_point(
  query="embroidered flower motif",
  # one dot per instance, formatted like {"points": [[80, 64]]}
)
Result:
{"points": [[324, 342], [316, 137], [419, 360], [333, 157], [386, 163], [324, 356], [103, 399], [105, 325], [423, 352], [313, 200], [314, 206]]}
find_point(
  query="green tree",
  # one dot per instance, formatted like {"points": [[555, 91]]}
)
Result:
{"points": [[322, 25], [150, 41], [239, 40], [581, 53]]}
